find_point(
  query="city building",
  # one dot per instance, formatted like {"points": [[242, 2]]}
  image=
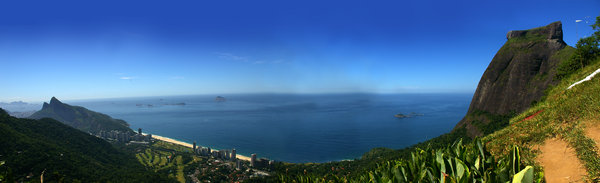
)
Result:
{"points": [[124, 136], [253, 160], [233, 156], [194, 148], [238, 164]]}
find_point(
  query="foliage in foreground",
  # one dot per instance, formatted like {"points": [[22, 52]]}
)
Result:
{"points": [[454, 163]]}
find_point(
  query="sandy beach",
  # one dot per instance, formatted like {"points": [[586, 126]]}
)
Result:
{"points": [[170, 140]]}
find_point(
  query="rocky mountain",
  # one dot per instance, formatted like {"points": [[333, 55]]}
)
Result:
{"points": [[79, 117], [47, 149], [516, 78]]}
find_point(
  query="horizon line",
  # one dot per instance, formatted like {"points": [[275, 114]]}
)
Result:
{"points": [[249, 93]]}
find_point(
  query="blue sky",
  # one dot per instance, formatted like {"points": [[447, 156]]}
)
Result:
{"points": [[107, 49]]}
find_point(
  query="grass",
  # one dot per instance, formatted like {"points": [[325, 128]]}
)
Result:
{"points": [[156, 157], [180, 166], [563, 112]]}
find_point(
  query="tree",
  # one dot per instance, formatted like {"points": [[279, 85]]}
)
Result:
{"points": [[587, 51]]}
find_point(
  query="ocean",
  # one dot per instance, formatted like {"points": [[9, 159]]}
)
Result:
{"points": [[289, 127]]}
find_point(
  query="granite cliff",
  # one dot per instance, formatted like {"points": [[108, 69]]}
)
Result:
{"points": [[516, 78]]}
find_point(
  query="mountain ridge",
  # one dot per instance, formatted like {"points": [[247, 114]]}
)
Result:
{"points": [[80, 117]]}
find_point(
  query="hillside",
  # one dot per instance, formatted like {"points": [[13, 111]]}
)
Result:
{"points": [[80, 117], [516, 78], [568, 119], [62, 153]]}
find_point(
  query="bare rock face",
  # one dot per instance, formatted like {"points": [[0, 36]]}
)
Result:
{"points": [[517, 76], [550, 31]]}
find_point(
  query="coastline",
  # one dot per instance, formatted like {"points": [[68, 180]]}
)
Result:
{"points": [[173, 141]]}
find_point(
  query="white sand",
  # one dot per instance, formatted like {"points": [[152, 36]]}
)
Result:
{"points": [[173, 141]]}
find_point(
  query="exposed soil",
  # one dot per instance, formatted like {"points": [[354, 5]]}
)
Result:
{"points": [[560, 162], [593, 132]]}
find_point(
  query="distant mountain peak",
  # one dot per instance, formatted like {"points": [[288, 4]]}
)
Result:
{"points": [[54, 101], [79, 117]]}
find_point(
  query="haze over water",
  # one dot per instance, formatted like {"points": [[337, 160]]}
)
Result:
{"points": [[292, 128]]}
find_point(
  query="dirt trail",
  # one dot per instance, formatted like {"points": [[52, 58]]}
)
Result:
{"points": [[593, 132], [560, 162]]}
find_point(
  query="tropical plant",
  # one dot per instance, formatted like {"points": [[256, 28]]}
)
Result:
{"points": [[454, 163]]}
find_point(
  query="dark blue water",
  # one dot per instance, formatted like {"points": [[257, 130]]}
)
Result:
{"points": [[292, 128]]}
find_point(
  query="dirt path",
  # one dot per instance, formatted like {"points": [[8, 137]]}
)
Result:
{"points": [[560, 162], [593, 132]]}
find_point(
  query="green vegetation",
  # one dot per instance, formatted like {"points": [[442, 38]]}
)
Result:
{"points": [[587, 52], [530, 37], [369, 161], [488, 123], [565, 113], [454, 163], [31, 148]]}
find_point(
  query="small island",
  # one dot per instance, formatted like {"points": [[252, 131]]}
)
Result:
{"points": [[410, 115], [220, 99]]}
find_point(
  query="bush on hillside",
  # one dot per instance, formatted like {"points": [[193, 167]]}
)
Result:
{"points": [[588, 49]]}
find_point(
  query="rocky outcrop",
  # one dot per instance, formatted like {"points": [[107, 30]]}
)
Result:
{"points": [[551, 31], [516, 77]]}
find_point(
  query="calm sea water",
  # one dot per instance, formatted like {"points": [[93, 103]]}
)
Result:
{"points": [[292, 128]]}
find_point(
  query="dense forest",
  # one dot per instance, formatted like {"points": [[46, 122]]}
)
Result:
{"points": [[50, 150]]}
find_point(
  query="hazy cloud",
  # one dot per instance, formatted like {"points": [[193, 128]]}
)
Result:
{"points": [[229, 56], [127, 77]]}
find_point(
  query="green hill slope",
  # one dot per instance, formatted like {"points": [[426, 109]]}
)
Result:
{"points": [[30, 147], [80, 117], [565, 114]]}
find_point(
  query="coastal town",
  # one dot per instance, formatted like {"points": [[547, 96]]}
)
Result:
{"points": [[194, 163]]}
